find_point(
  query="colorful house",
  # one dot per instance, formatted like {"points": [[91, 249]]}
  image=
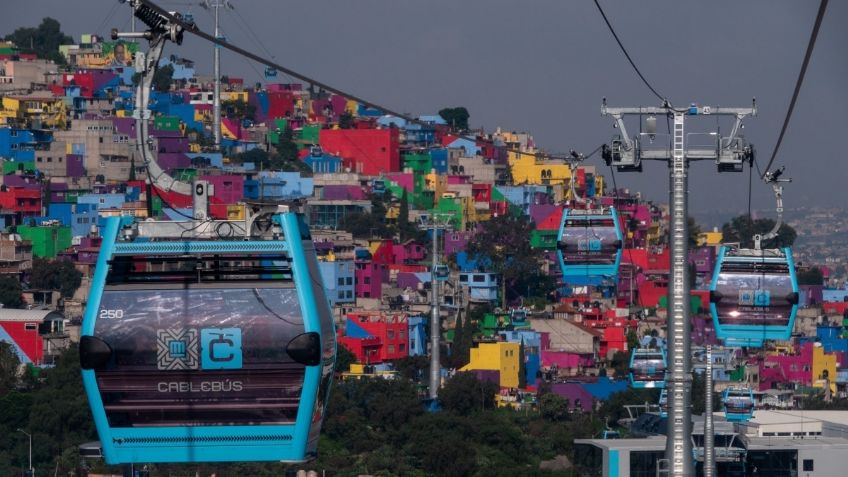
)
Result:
{"points": [[36, 336], [376, 337], [501, 357], [367, 151]]}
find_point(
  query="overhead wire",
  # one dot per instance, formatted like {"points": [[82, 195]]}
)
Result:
{"points": [[192, 29], [807, 55], [627, 55]]}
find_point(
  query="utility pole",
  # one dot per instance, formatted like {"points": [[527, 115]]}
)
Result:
{"points": [[626, 154], [709, 434], [436, 222], [31, 471], [216, 71]]}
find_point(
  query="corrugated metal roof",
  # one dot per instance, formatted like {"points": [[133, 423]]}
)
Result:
{"points": [[11, 314]]}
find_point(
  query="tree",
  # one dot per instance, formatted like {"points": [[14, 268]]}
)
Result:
{"points": [[43, 40], [457, 117], [632, 339], [58, 275], [694, 231], [742, 229], [9, 366], [344, 358], [457, 350], [464, 394], [553, 407], [10, 291], [163, 78], [810, 276], [503, 244], [238, 109], [346, 120]]}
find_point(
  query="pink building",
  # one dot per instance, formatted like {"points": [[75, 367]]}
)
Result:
{"points": [[778, 371], [228, 189], [369, 279]]}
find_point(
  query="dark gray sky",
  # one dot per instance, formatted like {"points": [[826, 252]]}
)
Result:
{"points": [[543, 67]]}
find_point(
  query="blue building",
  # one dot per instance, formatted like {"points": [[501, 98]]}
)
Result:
{"points": [[417, 336], [323, 163], [469, 147], [17, 144], [83, 217], [103, 201], [439, 159], [206, 159], [339, 281], [482, 286], [830, 337], [522, 196], [835, 295], [276, 185]]}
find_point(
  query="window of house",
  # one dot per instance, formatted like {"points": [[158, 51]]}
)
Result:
{"points": [[349, 280], [341, 295], [808, 465], [402, 347], [391, 348], [391, 334], [367, 280], [463, 278], [402, 334], [479, 278], [341, 281], [349, 294]]}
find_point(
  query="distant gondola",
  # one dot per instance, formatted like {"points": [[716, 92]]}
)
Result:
{"points": [[647, 368], [738, 404], [589, 243]]}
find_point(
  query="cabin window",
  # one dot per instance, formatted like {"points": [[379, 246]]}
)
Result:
{"points": [[31, 326]]}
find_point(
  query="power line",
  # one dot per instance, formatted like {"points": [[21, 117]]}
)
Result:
{"points": [[799, 82], [627, 55], [190, 28]]}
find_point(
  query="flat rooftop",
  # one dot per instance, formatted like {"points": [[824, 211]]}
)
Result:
{"points": [[766, 417]]}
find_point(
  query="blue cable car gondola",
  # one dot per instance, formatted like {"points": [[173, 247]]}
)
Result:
{"points": [[589, 245], [518, 317], [753, 295], [647, 368], [378, 186], [207, 350], [663, 403], [738, 404], [270, 72], [441, 272]]}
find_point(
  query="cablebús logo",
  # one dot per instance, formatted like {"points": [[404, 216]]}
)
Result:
{"points": [[182, 349], [220, 348]]}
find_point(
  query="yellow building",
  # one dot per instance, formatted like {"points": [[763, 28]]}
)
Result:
{"points": [[824, 368], [35, 111], [500, 356], [710, 238], [526, 168]]}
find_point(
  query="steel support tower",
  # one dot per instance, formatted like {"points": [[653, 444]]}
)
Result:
{"points": [[626, 154], [435, 223]]}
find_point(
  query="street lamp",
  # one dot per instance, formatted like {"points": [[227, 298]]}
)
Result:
{"points": [[31, 472]]}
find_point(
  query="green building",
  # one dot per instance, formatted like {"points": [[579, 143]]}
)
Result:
{"points": [[47, 240]]}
